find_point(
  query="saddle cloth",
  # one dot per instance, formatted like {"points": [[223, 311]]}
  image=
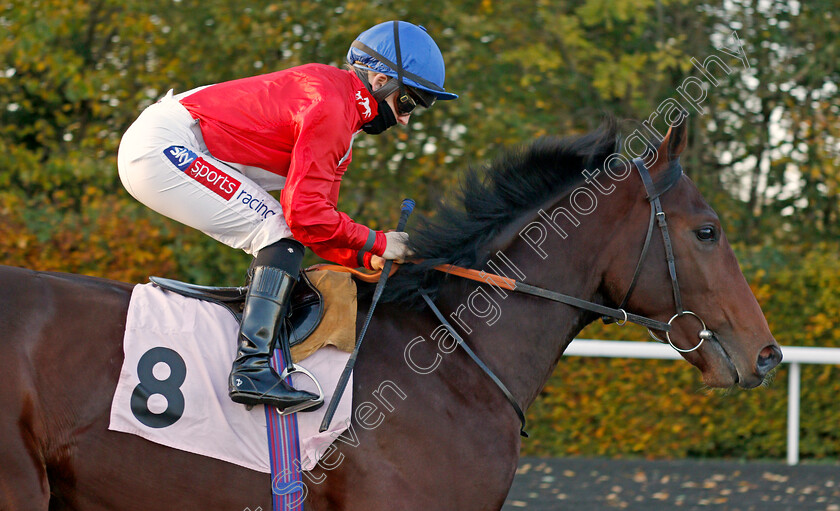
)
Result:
{"points": [[172, 388]]}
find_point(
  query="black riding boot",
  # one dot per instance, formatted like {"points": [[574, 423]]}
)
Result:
{"points": [[252, 380]]}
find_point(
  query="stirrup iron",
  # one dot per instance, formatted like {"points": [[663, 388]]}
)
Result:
{"points": [[306, 405]]}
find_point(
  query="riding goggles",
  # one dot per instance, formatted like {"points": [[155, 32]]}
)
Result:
{"points": [[409, 97]]}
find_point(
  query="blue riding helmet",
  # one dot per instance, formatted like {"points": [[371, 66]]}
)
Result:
{"points": [[384, 47]]}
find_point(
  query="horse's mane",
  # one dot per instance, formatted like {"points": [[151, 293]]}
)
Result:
{"points": [[490, 198]]}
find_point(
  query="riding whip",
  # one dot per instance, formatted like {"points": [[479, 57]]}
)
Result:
{"points": [[407, 207]]}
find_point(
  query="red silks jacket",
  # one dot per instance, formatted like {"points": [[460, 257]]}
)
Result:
{"points": [[298, 123]]}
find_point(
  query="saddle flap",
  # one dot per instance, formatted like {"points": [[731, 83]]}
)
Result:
{"points": [[305, 312]]}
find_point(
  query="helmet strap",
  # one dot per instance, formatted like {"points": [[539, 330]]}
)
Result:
{"points": [[379, 94], [400, 70], [385, 117]]}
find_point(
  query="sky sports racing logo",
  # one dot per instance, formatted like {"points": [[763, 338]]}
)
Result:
{"points": [[197, 168]]}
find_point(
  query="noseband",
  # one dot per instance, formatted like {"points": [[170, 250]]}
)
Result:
{"points": [[672, 175]]}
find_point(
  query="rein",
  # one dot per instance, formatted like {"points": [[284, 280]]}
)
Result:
{"points": [[478, 361], [618, 315]]}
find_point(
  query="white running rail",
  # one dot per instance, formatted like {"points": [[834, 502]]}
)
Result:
{"points": [[793, 355]]}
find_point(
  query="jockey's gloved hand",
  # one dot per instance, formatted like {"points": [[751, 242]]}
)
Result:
{"points": [[397, 246]]}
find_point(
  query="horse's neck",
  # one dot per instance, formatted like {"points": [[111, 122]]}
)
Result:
{"points": [[522, 337]]}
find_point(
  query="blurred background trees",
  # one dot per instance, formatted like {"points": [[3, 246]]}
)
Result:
{"points": [[765, 152]]}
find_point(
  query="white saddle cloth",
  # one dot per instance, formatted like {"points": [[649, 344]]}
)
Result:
{"points": [[182, 350]]}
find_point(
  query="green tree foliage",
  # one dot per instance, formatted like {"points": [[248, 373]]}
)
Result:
{"points": [[764, 150]]}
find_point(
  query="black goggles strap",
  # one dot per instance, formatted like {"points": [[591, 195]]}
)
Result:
{"points": [[386, 90], [400, 71]]}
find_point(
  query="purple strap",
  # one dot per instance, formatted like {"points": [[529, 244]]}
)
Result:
{"points": [[287, 488]]}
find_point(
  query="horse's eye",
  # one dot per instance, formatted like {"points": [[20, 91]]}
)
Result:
{"points": [[706, 233]]}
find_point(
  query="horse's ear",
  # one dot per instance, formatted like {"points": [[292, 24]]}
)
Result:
{"points": [[671, 146], [675, 140]]}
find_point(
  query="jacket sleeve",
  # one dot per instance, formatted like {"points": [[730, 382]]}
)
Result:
{"points": [[336, 184], [311, 191], [343, 256]]}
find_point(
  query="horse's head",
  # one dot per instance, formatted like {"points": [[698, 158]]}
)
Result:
{"points": [[737, 347]]}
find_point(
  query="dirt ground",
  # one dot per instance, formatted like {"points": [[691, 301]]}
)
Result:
{"points": [[581, 484]]}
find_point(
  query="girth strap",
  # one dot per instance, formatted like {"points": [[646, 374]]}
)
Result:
{"points": [[478, 361]]}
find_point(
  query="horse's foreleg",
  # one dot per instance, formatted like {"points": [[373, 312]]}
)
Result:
{"points": [[23, 474], [24, 484]]}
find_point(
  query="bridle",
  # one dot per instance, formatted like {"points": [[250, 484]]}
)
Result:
{"points": [[672, 175], [618, 315]]}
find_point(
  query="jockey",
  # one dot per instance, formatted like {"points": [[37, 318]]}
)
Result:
{"points": [[208, 158]]}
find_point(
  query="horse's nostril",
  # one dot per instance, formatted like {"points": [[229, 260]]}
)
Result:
{"points": [[768, 358]]}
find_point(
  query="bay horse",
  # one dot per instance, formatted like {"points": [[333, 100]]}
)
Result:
{"points": [[440, 434]]}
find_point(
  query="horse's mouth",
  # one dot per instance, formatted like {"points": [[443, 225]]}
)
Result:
{"points": [[723, 371], [724, 359]]}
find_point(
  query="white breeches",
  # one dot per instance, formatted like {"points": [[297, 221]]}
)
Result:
{"points": [[164, 163]]}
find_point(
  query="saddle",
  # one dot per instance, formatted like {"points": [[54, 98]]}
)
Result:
{"points": [[305, 311]]}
